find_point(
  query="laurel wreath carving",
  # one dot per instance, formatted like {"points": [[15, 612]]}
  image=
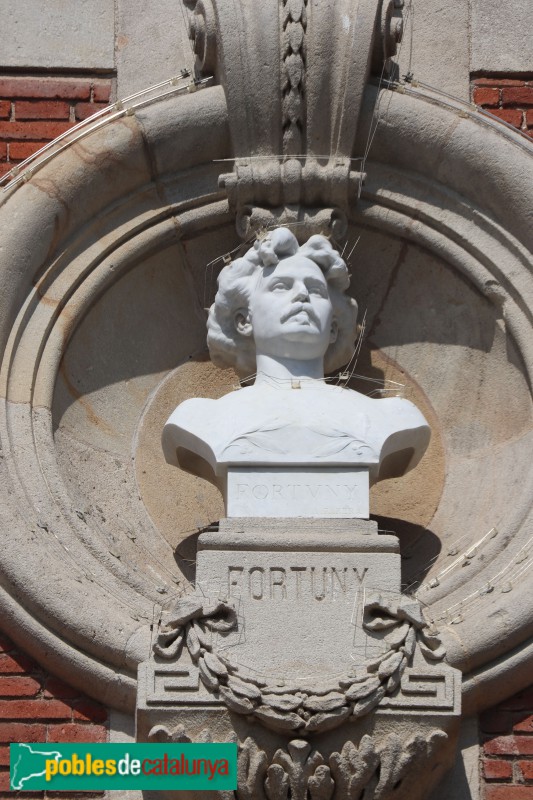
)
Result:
{"points": [[293, 706]]}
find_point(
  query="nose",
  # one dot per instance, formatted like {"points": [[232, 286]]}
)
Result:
{"points": [[301, 292]]}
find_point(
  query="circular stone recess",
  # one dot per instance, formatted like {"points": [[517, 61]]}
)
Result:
{"points": [[103, 304]]}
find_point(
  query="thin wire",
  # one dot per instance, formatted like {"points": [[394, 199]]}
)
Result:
{"points": [[374, 123], [492, 582], [353, 248], [470, 552], [412, 26], [187, 27], [357, 351], [280, 157], [110, 114]]}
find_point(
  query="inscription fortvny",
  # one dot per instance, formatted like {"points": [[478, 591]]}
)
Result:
{"points": [[295, 583], [296, 491]]}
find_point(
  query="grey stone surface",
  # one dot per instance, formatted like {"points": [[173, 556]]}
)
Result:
{"points": [[122, 730], [463, 781], [306, 604], [335, 535], [501, 36], [151, 43], [54, 34], [436, 45]]}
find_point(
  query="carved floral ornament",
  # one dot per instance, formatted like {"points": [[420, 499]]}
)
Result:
{"points": [[440, 180], [377, 771]]}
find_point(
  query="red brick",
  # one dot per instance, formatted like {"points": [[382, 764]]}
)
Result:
{"points": [[22, 732], [90, 712], [4, 756], [84, 110], [509, 745], [19, 151], [501, 745], [16, 662], [56, 688], [529, 118], [35, 709], [4, 781], [33, 796], [496, 792], [485, 96], [76, 733], [524, 725], [518, 96], [526, 770], [49, 88], [3, 151], [19, 687], [41, 109], [101, 91], [524, 745], [511, 115], [32, 130], [5, 109], [498, 770], [498, 82], [5, 167]]}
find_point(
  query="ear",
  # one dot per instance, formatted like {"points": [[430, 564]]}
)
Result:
{"points": [[243, 322], [334, 331]]}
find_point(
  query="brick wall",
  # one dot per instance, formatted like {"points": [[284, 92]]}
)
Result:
{"points": [[34, 110], [36, 707], [507, 749], [510, 99]]}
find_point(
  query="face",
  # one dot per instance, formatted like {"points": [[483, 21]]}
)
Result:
{"points": [[290, 313]]}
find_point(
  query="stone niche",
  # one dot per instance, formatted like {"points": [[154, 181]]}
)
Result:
{"points": [[110, 252]]}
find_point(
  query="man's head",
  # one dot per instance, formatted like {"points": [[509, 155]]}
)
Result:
{"points": [[284, 301]]}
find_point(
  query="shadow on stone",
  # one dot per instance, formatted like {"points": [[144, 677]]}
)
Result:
{"points": [[419, 548]]}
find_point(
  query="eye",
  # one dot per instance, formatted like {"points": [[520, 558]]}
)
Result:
{"points": [[278, 286], [318, 289]]}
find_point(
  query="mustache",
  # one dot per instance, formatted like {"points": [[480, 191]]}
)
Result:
{"points": [[297, 309]]}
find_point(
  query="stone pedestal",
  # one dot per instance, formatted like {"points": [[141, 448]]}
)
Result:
{"points": [[299, 589], [298, 643]]}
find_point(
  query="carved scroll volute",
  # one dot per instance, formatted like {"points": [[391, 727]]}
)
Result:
{"points": [[294, 73], [244, 56]]}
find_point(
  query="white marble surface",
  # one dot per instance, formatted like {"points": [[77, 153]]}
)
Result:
{"points": [[311, 492], [283, 310]]}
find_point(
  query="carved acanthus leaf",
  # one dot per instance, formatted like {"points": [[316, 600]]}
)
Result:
{"points": [[376, 769]]}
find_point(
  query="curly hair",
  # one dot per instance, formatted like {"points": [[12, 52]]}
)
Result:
{"points": [[228, 348]]}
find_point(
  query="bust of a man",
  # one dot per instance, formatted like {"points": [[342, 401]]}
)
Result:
{"points": [[291, 444]]}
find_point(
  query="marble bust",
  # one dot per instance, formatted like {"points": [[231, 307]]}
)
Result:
{"points": [[291, 444]]}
